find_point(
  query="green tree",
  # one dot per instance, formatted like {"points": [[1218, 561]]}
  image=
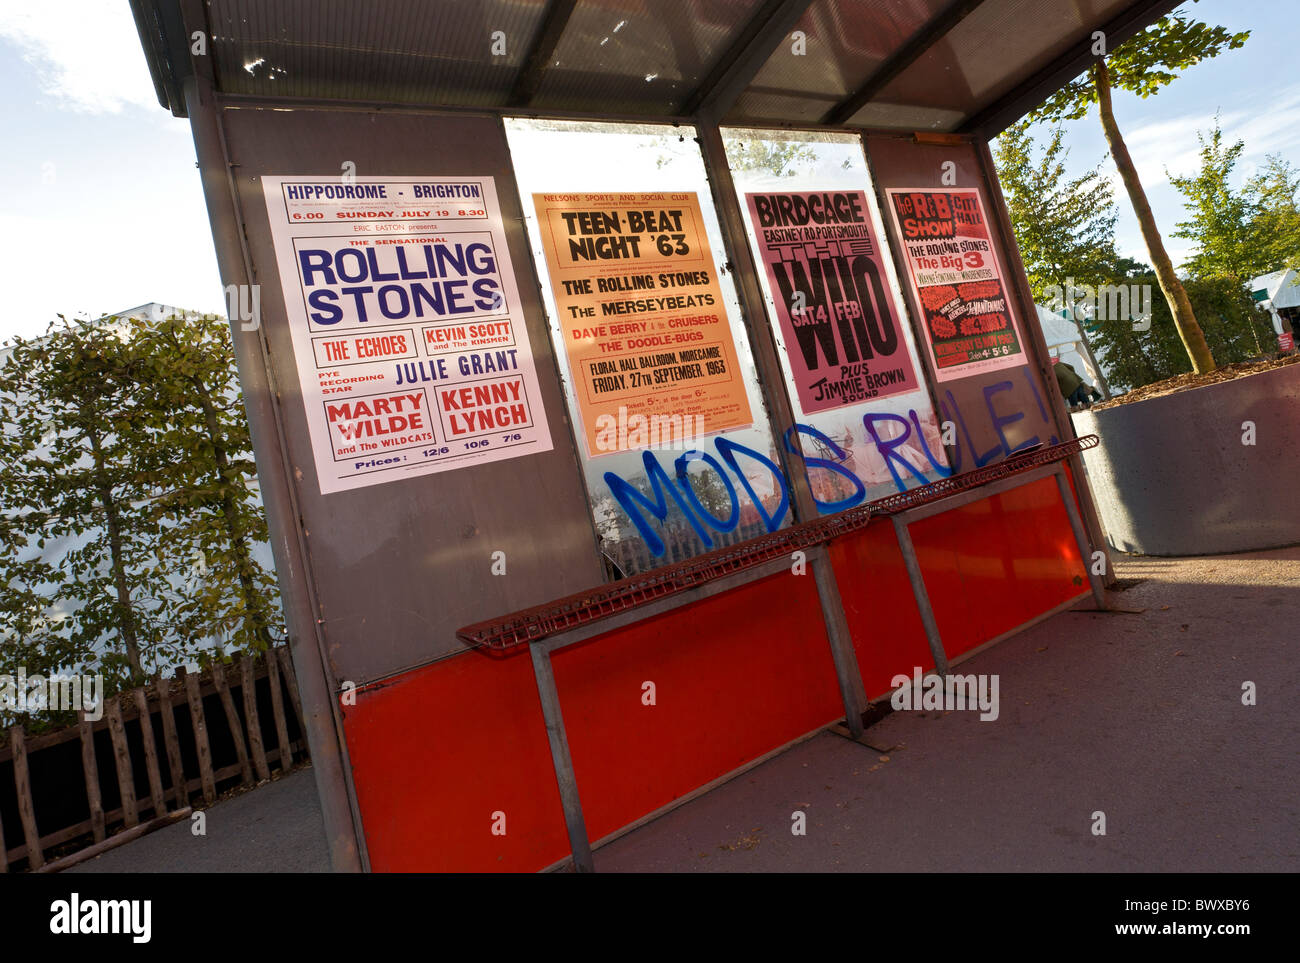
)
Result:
{"points": [[204, 502], [1127, 267], [1143, 65], [1274, 194], [128, 516], [1234, 328], [1065, 227], [761, 153], [73, 480], [1220, 217], [32, 636]]}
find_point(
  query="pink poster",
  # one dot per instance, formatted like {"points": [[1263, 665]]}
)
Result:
{"points": [[841, 328], [958, 284]]}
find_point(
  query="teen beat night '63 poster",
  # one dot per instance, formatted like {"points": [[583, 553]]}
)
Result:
{"points": [[842, 330], [645, 328], [966, 311]]}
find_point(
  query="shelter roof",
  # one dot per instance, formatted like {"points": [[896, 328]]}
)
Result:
{"points": [[929, 65]]}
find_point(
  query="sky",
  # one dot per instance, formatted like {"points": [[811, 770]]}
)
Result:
{"points": [[103, 209]]}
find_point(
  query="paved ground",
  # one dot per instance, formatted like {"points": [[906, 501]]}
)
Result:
{"points": [[1137, 716], [274, 829]]}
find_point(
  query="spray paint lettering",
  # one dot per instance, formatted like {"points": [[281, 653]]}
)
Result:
{"points": [[731, 459]]}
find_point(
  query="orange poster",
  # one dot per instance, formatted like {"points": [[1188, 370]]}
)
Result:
{"points": [[645, 329]]}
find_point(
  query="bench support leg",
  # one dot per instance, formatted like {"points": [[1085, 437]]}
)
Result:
{"points": [[579, 844]]}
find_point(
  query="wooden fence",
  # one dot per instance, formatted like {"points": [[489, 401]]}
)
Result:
{"points": [[216, 734]]}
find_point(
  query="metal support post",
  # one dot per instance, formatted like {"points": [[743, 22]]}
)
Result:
{"points": [[781, 411], [1037, 346], [323, 723], [579, 844], [920, 594], [1080, 537], [846, 663]]}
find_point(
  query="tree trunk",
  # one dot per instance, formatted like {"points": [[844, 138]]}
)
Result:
{"points": [[113, 526], [1184, 318], [254, 603]]}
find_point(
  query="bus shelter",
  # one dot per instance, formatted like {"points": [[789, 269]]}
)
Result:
{"points": [[636, 387]]}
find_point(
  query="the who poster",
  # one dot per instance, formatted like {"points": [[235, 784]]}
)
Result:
{"points": [[408, 335], [955, 276], [841, 327]]}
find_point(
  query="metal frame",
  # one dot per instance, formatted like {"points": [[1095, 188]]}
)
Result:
{"points": [[903, 519], [323, 718], [736, 69], [767, 365], [1086, 550], [226, 99], [548, 39], [908, 54], [678, 801], [541, 648], [1009, 108], [337, 794], [1029, 310], [165, 49], [919, 594], [566, 780], [565, 777]]}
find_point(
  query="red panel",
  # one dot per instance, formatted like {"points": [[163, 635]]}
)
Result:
{"points": [[957, 570], [735, 677], [989, 567], [438, 751], [882, 615], [995, 564]]}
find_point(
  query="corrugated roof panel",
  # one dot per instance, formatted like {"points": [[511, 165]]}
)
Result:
{"points": [[906, 117], [639, 56], [381, 50], [763, 106], [847, 41], [995, 48]]}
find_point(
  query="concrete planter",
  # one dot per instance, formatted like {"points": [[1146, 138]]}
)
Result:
{"points": [[1173, 476]]}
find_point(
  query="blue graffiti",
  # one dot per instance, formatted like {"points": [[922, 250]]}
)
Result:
{"points": [[667, 491]]}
